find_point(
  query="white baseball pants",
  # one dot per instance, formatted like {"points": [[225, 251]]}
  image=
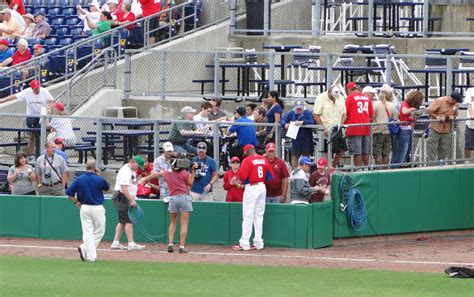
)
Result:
{"points": [[93, 229], [253, 209]]}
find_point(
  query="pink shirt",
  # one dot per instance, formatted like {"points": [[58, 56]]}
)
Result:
{"points": [[177, 182]]}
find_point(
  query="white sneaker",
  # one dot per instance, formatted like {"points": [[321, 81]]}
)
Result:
{"points": [[117, 246], [132, 246]]}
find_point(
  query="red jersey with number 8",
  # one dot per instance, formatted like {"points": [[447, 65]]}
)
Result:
{"points": [[359, 111], [255, 169]]}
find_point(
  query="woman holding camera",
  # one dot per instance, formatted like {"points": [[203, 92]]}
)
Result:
{"points": [[21, 176], [179, 182]]}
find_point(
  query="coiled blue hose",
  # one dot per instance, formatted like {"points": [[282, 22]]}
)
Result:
{"points": [[353, 201], [137, 216]]}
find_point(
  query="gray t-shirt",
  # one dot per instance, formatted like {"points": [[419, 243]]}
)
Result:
{"points": [[47, 174], [219, 114], [22, 183]]}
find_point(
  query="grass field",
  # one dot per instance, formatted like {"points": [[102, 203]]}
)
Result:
{"points": [[25, 276]]}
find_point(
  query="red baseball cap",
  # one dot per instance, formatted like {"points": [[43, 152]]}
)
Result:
{"points": [[58, 140], [322, 163], [37, 46], [4, 42], [234, 159], [35, 84], [59, 106], [270, 147], [351, 85], [248, 147]]}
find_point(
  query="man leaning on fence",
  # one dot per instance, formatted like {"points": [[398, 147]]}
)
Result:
{"points": [[469, 134], [443, 111], [330, 110], [246, 134], [51, 172]]}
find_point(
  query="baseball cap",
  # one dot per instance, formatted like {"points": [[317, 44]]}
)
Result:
{"points": [[322, 163], [112, 1], [35, 84], [201, 146], [306, 161], [4, 42], [234, 159], [95, 3], [6, 10], [248, 147], [59, 106], [299, 104], [168, 147], [369, 89], [386, 87], [456, 96], [58, 140], [351, 85], [188, 109], [140, 161], [240, 110], [37, 46], [270, 147]]}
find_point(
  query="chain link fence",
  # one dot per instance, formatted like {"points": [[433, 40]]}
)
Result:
{"points": [[296, 72]]}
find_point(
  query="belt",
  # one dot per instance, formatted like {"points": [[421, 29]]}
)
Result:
{"points": [[254, 184], [52, 185]]}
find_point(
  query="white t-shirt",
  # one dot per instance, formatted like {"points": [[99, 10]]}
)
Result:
{"points": [[35, 102], [94, 16], [202, 128], [469, 99], [63, 128], [127, 177], [252, 117]]}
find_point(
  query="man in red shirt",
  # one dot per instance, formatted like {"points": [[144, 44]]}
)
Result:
{"points": [[359, 111], [277, 187], [150, 7], [151, 182], [232, 184], [254, 171], [22, 54]]}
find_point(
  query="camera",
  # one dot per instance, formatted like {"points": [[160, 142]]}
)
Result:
{"points": [[199, 173], [178, 164], [47, 175]]}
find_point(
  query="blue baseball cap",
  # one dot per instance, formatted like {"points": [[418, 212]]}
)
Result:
{"points": [[306, 161]]}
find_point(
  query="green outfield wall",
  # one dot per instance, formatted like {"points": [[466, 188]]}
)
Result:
{"points": [[293, 226], [405, 201], [398, 201]]}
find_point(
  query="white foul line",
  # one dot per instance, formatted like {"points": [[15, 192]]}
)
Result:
{"points": [[255, 255]]}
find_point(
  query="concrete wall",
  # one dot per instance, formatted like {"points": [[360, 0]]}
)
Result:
{"points": [[96, 105]]}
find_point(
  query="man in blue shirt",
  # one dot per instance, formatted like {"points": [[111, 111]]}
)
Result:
{"points": [[5, 51], [303, 144], [246, 134], [205, 175], [90, 199]]}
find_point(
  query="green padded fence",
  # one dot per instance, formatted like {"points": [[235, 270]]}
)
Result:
{"points": [[294, 226], [404, 201]]}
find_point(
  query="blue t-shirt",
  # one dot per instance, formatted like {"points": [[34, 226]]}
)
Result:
{"points": [[5, 55], [245, 134], [208, 167], [271, 115], [89, 187]]}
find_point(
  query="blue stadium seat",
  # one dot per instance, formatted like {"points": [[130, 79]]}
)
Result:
{"points": [[38, 9], [76, 31], [50, 3], [72, 22], [37, 4], [53, 11], [51, 42], [69, 11], [60, 32], [64, 4], [57, 22], [65, 42]]}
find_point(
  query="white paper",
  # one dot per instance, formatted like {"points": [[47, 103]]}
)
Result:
{"points": [[44, 110], [292, 130]]}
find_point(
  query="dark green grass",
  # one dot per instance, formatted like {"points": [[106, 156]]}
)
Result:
{"points": [[25, 276]]}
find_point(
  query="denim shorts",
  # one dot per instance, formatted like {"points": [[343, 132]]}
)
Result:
{"points": [[180, 203]]}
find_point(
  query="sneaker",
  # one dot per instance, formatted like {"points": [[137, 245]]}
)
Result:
{"points": [[170, 248], [132, 246], [117, 246], [252, 247], [182, 250], [238, 247], [80, 253]]}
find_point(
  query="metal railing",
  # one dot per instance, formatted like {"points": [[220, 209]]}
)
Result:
{"points": [[361, 18], [176, 22], [233, 74], [114, 141]]}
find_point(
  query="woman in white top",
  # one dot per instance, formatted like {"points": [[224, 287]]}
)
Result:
{"points": [[93, 14], [61, 127], [30, 25]]}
